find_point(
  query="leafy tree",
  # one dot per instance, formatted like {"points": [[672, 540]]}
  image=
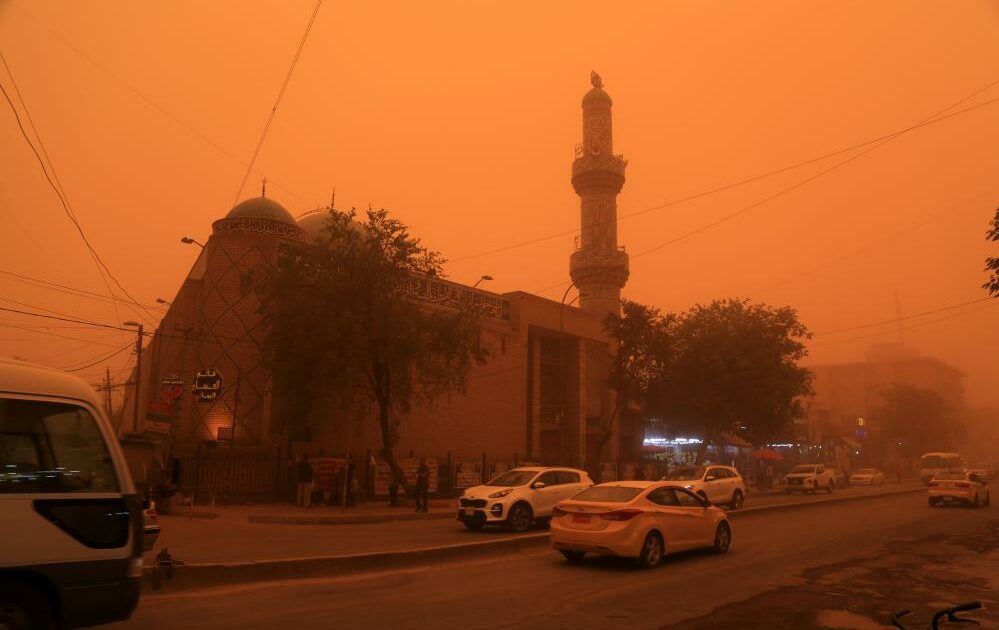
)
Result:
{"points": [[992, 264], [735, 368], [339, 329], [638, 367], [918, 418]]}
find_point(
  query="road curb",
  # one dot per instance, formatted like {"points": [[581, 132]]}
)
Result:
{"points": [[348, 519], [203, 575]]}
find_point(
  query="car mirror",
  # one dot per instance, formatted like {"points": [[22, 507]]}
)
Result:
{"points": [[709, 478], [537, 485]]}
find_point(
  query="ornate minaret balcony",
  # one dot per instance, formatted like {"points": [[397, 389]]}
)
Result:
{"points": [[599, 267]]}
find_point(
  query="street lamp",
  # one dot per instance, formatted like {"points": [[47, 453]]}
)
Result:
{"points": [[187, 240], [138, 371], [480, 280]]}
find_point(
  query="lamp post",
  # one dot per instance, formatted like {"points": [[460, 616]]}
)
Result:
{"points": [[187, 240], [138, 371], [480, 280]]}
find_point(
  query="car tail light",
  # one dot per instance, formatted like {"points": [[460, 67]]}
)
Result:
{"points": [[557, 512], [620, 515], [962, 484]]}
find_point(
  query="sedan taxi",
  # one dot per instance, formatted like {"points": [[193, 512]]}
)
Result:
{"points": [[949, 488], [867, 477], [643, 520]]}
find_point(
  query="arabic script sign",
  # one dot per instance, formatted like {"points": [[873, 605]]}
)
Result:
{"points": [[207, 385]]}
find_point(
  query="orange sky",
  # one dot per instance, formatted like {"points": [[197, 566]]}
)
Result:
{"points": [[461, 118]]}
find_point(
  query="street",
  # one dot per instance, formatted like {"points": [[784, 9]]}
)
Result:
{"points": [[771, 553]]}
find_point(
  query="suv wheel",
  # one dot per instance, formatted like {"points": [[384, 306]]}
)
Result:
{"points": [[521, 518], [652, 551], [22, 607], [737, 500]]}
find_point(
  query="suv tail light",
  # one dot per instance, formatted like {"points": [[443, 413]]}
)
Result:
{"points": [[620, 515]]}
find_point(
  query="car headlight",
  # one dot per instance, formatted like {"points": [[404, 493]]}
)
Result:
{"points": [[501, 493]]}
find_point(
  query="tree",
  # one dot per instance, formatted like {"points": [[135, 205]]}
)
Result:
{"points": [[916, 419], [734, 368], [992, 264], [340, 330], [638, 366]]}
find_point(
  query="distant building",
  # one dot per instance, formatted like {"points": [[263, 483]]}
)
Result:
{"points": [[845, 393], [541, 397]]}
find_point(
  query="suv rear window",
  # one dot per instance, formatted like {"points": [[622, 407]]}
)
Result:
{"points": [[52, 447], [608, 494]]}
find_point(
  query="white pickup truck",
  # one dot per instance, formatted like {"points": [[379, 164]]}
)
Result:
{"points": [[809, 478]]}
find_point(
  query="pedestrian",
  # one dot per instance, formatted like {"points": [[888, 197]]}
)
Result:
{"points": [[394, 492], [303, 475], [422, 485]]}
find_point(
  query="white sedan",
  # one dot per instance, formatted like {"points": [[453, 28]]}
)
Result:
{"points": [[867, 477], [637, 519], [949, 488]]}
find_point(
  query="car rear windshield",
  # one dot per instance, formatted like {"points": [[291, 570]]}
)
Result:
{"points": [[608, 494], [934, 461], [951, 476], [803, 469], [513, 478], [686, 473]]}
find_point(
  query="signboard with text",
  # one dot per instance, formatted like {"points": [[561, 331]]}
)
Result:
{"points": [[467, 473]]}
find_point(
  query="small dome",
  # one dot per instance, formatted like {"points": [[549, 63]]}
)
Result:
{"points": [[260, 208], [597, 95], [312, 224]]}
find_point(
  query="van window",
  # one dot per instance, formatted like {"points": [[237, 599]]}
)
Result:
{"points": [[52, 447]]}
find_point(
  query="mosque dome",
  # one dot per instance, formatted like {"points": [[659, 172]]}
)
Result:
{"points": [[260, 208], [596, 95], [312, 224]]}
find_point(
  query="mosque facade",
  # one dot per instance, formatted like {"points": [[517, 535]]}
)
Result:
{"points": [[541, 397]]}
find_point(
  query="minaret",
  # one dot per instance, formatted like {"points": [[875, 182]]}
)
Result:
{"points": [[598, 267]]}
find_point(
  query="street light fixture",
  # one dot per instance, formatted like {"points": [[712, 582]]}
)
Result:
{"points": [[138, 371], [480, 280], [187, 240]]}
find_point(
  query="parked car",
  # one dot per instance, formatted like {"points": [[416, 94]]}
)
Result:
{"points": [[983, 470], [718, 484], [867, 477], [71, 553], [948, 488], [808, 478], [519, 497], [150, 525], [643, 520]]}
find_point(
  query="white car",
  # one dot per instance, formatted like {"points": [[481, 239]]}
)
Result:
{"points": [[637, 519], [520, 496], [949, 488], [722, 485], [867, 477], [809, 478]]}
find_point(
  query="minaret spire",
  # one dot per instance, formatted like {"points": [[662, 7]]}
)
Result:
{"points": [[598, 267]]}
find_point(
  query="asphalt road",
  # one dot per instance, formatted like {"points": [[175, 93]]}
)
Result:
{"points": [[537, 589]]}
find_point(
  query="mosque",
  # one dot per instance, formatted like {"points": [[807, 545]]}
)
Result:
{"points": [[206, 396]]}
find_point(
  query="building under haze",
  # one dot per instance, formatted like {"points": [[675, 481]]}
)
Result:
{"points": [[207, 399]]}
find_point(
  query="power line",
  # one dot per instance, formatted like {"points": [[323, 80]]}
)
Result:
{"points": [[754, 178], [62, 288], [899, 319], [100, 360], [284, 85], [56, 188], [52, 334]]}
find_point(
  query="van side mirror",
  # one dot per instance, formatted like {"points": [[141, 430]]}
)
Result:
{"points": [[537, 485]]}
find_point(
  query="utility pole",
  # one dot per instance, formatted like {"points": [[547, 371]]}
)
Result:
{"points": [[138, 373], [107, 390]]}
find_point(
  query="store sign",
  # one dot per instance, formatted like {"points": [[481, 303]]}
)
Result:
{"points": [[164, 408], [207, 385], [410, 466]]}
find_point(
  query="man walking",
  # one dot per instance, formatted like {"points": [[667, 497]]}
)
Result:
{"points": [[303, 475], [422, 485]]}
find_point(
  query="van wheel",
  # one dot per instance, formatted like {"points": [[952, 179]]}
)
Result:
{"points": [[652, 551], [521, 518], [22, 607]]}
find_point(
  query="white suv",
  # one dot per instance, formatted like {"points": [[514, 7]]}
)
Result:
{"points": [[718, 484], [520, 496]]}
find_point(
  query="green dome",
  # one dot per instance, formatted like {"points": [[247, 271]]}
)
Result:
{"points": [[260, 208]]}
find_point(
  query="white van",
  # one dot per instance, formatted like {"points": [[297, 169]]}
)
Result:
{"points": [[71, 522], [933, 463]]}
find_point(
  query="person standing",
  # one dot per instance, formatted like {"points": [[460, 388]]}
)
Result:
{"points": [[422, 485], [303, 475]]}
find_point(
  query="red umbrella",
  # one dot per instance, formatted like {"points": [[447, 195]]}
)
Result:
{"points": [[768, 455]]}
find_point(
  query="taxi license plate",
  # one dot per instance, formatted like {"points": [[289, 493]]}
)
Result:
{"points": [[469, 512], [580, 518]]}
